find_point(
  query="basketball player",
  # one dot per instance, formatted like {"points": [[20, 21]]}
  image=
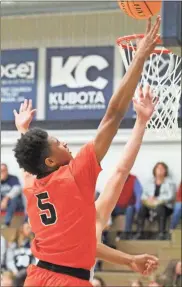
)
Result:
{"points": [[60, 203], [143, 264]]}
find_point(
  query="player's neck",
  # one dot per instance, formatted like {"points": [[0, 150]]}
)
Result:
{"points": [[39, 176]]}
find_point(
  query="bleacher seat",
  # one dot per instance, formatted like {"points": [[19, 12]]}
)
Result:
{"points": [[116, 275], [17, 221]]}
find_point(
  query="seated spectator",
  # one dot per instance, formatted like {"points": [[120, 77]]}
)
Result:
{"points": [[98, 282], [3, 252], [177, 213], [11, 199], [7, 279], [19, 255], [160, 280], [136, 283], [157, 200], [174, 273], [129, 201]]}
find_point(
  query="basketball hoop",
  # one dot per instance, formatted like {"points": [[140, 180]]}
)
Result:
{"points": [[162, 71]]}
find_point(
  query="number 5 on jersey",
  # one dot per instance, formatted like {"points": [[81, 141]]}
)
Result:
{"points": [[48, 207]]}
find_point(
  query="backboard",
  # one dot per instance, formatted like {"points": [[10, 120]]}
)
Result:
{"points": [[171, 25]]}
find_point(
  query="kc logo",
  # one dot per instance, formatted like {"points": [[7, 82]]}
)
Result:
{"points": [[73, 73]]}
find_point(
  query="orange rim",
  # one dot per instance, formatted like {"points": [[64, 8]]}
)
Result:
{"points": [[139, 36]]}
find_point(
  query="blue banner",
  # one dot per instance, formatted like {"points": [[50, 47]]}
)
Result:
{"points": [[18, 80], [130, 114], [79, 82]]}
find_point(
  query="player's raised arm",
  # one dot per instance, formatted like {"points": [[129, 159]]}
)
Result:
{"points": [[120, 100], [106, 202]]}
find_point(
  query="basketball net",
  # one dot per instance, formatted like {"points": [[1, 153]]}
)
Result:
{"points": [[162, 71]]}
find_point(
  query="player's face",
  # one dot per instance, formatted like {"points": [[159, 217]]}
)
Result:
{"points": [[60, 153]]}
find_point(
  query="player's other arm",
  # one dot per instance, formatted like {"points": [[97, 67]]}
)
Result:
{"points": [[143, 264], [120, 100], [24, 117], [109, 197], [107, 200]]}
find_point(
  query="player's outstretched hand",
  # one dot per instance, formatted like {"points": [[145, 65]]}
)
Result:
{"points": [[149, 42], [144, 264], [24, 117], [144, 104]]}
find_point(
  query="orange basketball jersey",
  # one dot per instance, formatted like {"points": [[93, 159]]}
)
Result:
{"points": [[62, 214]]}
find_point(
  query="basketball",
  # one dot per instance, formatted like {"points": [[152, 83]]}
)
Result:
{"points": [[140, 9]]}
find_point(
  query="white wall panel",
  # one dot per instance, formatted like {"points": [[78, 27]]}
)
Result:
{"points": [[84, 29], [150, 153]]}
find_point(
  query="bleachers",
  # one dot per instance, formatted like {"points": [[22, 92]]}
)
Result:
{"points": [[116, 278], [17, 221], [119, 222], [115, 275]]}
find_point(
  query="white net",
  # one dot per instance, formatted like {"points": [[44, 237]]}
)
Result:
{"points": [[162, 71]]}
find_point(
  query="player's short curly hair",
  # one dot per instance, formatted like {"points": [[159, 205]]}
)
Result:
{"points": [[31, 151]]}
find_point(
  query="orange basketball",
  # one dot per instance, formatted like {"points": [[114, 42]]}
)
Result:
{"points": [[140, 9]]}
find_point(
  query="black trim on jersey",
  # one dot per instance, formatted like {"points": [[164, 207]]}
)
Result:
{"points": [[74, 272]]}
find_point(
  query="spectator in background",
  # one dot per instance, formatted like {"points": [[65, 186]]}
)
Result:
{"points": [[136, 283], [19, 255], [11, 199], [7, 279], [177, 213], [129, 201], [174, 273], [157, 200], [98, 282], [160, 280], [3, 252]]}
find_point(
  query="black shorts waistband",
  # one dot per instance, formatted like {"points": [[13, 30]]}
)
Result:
{"points": [[74, 272]]}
